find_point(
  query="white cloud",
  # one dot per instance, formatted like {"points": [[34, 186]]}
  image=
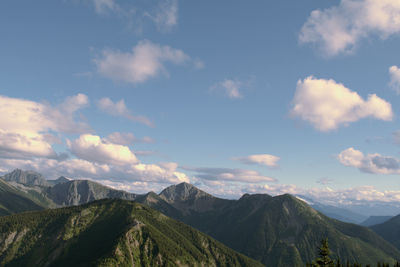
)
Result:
{"points": [[231, 88], [329, 195], [135, 187], [394, 72], [370, 163], [127, 139], [154, 174], [339, 29], [260, 159], [327, 104], [93, 148], [119, 109], [25, 125], [227, 174], [147, 60]]}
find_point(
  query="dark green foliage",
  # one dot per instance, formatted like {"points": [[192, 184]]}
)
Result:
{"points": [[323, 259], [108, 233], [389, 230], [278, 231]]}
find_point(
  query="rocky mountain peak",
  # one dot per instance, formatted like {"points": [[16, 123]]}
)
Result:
{"points": [[30, 178], [182, 192]]}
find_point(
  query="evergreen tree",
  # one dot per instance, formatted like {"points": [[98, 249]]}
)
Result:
{"points": [[324, 260]]}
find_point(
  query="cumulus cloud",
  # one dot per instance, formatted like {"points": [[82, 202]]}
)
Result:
{"points": [[147, 60], [127, 139], [370, 163], [25, 126], [339, 29], [119, 109], [231, 88], [77, 168], [328, 195], [227, 174], [260, 159], [394, 72], [95, 149], [327, 104]]}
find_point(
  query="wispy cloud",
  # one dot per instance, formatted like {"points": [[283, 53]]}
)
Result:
{"points": [[230, 88], [147, 60], [394, 72], [127, 138], [339, 29], [119, 109], [260, 159], [104, 6], [227, 174], [165, 16], [327, 104], [324, 180], [162, 13]]}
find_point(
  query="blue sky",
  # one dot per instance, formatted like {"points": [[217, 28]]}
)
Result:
{"points": [[272, 96]]}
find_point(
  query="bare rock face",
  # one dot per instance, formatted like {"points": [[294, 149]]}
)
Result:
{"points": [[77, 192], [189, 198], [29, 178]]}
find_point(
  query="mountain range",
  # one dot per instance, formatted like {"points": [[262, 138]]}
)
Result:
{"points": [[108, 233], [374, 220], [277, 231]]}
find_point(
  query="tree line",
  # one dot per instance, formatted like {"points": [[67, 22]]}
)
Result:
{"points": [[324, 260]]}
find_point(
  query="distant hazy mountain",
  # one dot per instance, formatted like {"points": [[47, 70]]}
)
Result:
{"points": [[389, 230], [108, 233], [373, 208], [373, 220], [278, 231], [337, 213], [354, 210], [13, 200]]}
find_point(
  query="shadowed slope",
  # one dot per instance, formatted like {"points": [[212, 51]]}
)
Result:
{"points": [[13, 200], [278, 231], [108, 233], [389, 230]]}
